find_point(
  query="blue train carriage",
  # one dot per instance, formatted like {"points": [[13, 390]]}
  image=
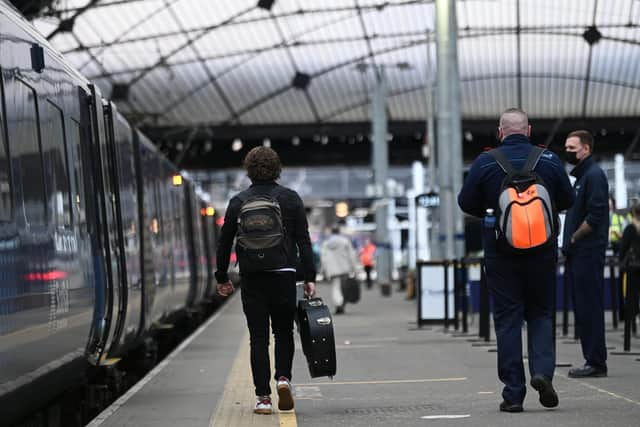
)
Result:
{"points": [[100, 247]]}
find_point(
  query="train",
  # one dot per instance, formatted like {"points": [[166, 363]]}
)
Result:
{"points": [[104, 244]]}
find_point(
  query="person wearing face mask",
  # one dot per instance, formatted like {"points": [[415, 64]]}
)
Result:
{"points": [[522, 285], [585, 239]]}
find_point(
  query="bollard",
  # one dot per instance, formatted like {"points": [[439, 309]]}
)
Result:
{"points": [[446, 293], [465, 299], [628, 308], [484, 323], [565, 303], [613, 280], [456, 294]]}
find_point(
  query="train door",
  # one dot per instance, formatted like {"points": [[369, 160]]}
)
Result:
{"points": [[111, 178], [106, 250]]}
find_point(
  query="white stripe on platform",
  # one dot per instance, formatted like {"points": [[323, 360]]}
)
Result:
{"points": [[111, 409], [444, 417]]}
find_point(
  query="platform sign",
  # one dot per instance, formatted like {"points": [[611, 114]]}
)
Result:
{"points": [[431, 282], [428, 200]]}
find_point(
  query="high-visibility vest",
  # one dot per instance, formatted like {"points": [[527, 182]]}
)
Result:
{"points": [[618, 223]]}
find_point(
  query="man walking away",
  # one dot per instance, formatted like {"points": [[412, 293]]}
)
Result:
{"points": [[584, 244], [338, 259], [522, 282], [270, 225]]}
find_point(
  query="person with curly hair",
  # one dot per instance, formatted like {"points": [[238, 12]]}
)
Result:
{"points": [[268, 279]]}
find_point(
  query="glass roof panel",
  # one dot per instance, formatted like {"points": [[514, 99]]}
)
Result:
{"points": [[536, 13], [343, 87], [293, 104], [486, 14], [414, 18], [488, 97], [487, 56], [257, 78], [316, 58], [295, 27], [197, 14], [607, 100], [543, 54], [616, 62]]}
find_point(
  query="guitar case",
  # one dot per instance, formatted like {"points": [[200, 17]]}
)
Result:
{"points": [[316, 334]]}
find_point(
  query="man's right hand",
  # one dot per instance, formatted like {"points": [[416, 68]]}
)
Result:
{"points": [[225, 289]]}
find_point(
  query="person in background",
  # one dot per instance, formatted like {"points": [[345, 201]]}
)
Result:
{"points": [[630, 259], [367, 257], [584, 243], [522, 286], [338, 259], [269, 293], [618, 222]]}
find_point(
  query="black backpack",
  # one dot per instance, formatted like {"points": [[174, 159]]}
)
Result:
{"points": [[261, 239]]}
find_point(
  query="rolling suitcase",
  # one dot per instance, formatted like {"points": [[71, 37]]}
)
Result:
{"points": [[316, 334], [351, 290]]}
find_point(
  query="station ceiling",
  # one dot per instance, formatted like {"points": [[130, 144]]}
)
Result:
{"points": [[192, 70]]}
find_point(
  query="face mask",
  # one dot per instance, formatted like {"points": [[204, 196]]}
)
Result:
{"points": [[572, 157]]}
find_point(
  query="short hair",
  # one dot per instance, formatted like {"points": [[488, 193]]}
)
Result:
{"points": [[635, 210], [514, 121], [262, 164], [585, 138]]}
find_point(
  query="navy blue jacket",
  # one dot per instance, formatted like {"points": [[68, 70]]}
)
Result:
{"points": [[592, 205], [482, 186]]}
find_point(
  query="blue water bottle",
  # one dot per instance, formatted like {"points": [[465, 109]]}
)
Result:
{"points": [[489, 219]]}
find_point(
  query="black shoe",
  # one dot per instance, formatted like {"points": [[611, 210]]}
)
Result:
{"points": [[510, 407], [340, 309], [587, 371], [548, 396]]}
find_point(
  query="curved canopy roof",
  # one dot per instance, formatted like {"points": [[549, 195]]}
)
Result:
{"points": [[250, 62]]}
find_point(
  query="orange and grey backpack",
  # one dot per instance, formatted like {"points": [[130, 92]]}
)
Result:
{"points": [[527, 219]]}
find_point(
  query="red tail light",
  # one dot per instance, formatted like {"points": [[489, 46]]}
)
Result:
{"points": [[47, 276]]}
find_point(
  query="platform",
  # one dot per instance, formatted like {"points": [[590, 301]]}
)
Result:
{"points": [[390, 373]]}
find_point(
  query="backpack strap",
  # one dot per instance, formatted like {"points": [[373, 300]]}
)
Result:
{"points": [[532, 159], [502, 161]]}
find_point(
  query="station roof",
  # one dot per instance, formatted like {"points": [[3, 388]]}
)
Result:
{"points": [[191, 64]]}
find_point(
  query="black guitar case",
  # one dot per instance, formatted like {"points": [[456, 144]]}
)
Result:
{"points": [[316, 334]]}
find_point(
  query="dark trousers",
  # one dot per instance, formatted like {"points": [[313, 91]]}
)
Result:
{"points": [[367, 269], [269, 296], [586, 273], [522, 289]]}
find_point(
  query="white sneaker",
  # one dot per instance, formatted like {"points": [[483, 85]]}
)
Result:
{"points": [[285, 397], [263, 405]]}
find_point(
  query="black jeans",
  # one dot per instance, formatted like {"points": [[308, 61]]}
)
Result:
{"points": [[367, 269], [265, 296]]}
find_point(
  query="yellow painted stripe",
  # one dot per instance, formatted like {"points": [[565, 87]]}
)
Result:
{"points": [[424, 380], [235, 408]]}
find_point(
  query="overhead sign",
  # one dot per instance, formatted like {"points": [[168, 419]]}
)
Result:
{"points": [[428, 200]]}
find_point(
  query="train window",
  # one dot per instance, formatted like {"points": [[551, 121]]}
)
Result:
{"points": [[24, 140], [79, 200], [55, 154], [5, 181]]}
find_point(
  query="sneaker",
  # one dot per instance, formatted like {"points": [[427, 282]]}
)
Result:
{"points": [[285, 398], [263, 405], [548, 396]]}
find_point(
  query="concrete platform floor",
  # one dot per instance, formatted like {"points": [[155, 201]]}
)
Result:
{"points": [[390, 373]]}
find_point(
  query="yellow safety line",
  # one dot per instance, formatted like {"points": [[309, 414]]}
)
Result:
{"points": [[424, 380], [235, 408]]}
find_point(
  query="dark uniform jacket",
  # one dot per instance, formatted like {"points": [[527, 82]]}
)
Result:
{"points": [[482, 185], [295, 224], [591, 205]]}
